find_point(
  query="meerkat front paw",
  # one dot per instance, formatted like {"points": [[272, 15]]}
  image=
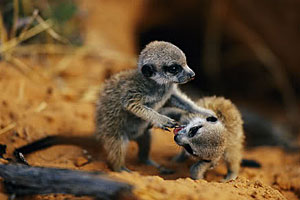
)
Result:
{"points": [[165, 123]]}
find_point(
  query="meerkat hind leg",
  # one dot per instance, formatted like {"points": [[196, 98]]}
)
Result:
{"points": [[232, 171], [181, 157], [199, 168], [116, 152], [144, 144], [233, 162]]}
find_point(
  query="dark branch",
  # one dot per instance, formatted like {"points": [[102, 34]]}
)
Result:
{"points": [[25, 180]]}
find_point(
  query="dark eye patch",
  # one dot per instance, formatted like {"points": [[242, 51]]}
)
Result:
{"points": [[193, 131], [188, 148], [173, 69], [148, 70], [211, 119]]}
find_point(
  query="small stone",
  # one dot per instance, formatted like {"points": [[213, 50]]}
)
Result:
{"points": [[254, 194], [3, 161], [258, 184], [81, 161]]}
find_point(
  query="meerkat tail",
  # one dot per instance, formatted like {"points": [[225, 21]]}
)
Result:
{"points": [[50, 141], [250, 163]]}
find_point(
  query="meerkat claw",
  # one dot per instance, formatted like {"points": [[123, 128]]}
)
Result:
{"points": [[165, 128], [125, 169], [161, 169], [165, 171]]}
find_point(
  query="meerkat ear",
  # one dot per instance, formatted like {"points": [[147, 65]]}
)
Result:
{"points": [[148, 70]]}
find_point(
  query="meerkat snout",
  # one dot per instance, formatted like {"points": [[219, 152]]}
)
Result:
{"points": [[184, 136], [200, 134], [191, 74]]}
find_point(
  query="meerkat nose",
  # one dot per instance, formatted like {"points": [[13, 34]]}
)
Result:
{"points": [[192, 75], [176, 138], [189, 72]]}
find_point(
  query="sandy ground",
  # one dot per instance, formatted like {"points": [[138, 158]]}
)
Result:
{"points": [[32, 107]]}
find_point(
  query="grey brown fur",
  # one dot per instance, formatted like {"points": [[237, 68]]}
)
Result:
{"points": [[214, 139], [129, 101]]}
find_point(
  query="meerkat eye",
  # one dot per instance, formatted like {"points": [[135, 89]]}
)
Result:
{"points": [[193, 131], [211, 119], [148, 70], [173, 69]]}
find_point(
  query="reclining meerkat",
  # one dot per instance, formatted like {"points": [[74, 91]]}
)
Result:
{"points": [[208, 139], [128, 104]]}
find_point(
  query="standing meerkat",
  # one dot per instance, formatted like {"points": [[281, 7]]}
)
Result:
{"points": [[128, 103], [208, 139]]}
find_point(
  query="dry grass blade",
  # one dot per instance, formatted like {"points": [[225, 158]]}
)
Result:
{"points": [[32, 18], [75, 51], [3, 33], [2, 30], [49, 49], [25, 69], [21, 90], [91, 94], [8, 128], [28, 34], [66, 61], [41, 107], [15, 19], [51, 32]]}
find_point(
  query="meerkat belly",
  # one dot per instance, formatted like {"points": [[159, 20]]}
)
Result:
{"points": [[135, 127], [159, 98]]}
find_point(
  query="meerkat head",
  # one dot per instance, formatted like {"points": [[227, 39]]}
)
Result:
{"points": [[201, 137], [164, 63]]}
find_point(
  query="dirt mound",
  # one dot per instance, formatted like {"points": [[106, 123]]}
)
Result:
{"points": [[155, 187], [32, 108]]}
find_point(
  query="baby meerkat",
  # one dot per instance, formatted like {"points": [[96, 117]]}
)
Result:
{"points": [[128, 103], [208, 139]]}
